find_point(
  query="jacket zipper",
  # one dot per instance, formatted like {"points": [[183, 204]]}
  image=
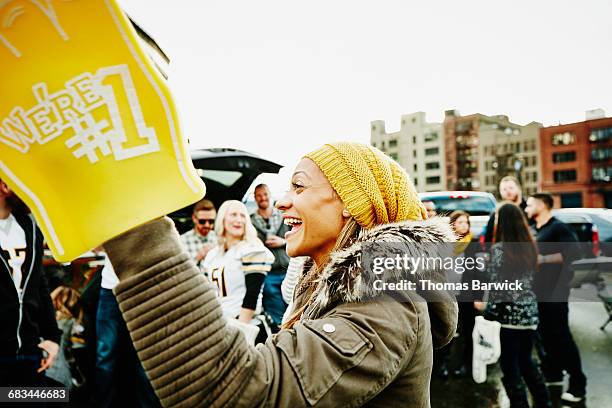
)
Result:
{"points": [[21, 293]]}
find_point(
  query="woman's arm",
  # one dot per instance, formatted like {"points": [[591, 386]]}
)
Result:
{"points": [[253, 281]]}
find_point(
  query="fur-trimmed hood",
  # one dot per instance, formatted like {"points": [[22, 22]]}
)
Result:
{"points": [[344, 280]]}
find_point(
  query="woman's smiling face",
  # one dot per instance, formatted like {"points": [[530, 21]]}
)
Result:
{"points": [[314, 211], [234, 222]]}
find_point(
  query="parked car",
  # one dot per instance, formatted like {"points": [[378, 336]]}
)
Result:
{"points": [[228, 175], [476, 203], [591, 225]]}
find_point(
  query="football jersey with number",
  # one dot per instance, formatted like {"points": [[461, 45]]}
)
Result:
{"points": [[13, 247], [227, 270]]}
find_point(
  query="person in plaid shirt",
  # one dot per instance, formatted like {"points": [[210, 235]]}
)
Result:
{"points": [[271, 229], [201, 238]]}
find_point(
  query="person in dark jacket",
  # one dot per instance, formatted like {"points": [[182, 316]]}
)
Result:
{"points": [[25, 304], [558, 248], [514, 258], [509, 190]]}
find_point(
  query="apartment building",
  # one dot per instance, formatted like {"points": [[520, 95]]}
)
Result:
{"points": [[418, 146], [577, 162], [481, 149]]}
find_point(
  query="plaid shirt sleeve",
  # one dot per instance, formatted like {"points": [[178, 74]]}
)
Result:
{"points": [[191, 244]]}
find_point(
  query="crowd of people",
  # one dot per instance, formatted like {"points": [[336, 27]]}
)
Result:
{"points": [[291, 270], [526, 243]]}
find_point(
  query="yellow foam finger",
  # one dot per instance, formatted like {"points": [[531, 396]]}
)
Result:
{"points": [[89, 135]]}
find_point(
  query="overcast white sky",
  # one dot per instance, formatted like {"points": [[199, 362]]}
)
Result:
{"points": [[280, 77]]}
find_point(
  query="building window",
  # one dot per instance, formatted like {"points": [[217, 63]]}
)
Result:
{"points": [[432, 180], [393, 156], [414, 167], [564, 157], [564, 176], [432, 165], [603, 153], [414, 153], [413, 139], [565, 138], [600, 135], [416, 182], [602, 173], [530, 161], [393, 143], [431, 151], [382, 144], [571, 200], [431, 137]]}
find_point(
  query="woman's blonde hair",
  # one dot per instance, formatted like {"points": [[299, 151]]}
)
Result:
{"points": [[67, 303], [307, 284], [250, 233]]}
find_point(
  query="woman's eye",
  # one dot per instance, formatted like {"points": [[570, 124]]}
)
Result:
{"points": [[297, 187]]}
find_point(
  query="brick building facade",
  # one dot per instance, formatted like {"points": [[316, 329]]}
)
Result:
{"points": [[576, 163]]}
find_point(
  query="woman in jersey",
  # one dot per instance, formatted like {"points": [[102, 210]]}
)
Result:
{"points": [[238, 264], [346, 343]]}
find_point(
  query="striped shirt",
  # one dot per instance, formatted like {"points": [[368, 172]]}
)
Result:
{"points": [[294, 272]]}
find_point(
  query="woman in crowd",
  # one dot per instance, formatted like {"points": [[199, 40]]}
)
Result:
{"points": [[514, 258], [460, 221], [346, 344], [238, 264], [68, 313]]}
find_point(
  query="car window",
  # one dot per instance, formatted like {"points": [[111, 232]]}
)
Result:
{"points": [[573, 218], [604, 226], [227, 178], [471, 205]]}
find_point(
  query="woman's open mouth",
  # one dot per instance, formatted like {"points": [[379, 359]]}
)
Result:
{"points": [[295, 224]]}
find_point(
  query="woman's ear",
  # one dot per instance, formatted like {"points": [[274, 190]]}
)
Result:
{"points": [[346, 213], [4, 188]]}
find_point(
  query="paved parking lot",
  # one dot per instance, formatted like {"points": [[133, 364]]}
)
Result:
{"points": [[596, 351]]}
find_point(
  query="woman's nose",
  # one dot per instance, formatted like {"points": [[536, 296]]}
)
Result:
{"points": [[285, 202]]}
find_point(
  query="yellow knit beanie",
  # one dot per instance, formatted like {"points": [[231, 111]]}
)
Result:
{"points": [[374, 188]]}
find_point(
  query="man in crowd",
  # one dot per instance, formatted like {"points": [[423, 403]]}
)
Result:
{"points": [[509, 190], [430, 207], [199, 240], [558, 247], [28, 326], [268, 222]]}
